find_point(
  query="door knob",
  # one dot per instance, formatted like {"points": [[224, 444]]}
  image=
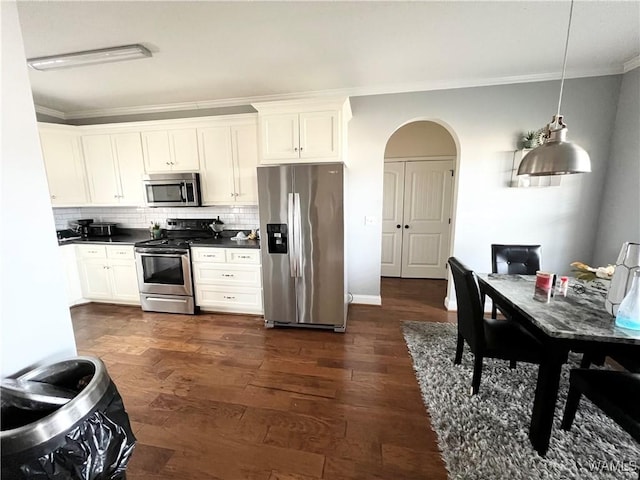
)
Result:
{"points": [[398, 226], [406, 226]]}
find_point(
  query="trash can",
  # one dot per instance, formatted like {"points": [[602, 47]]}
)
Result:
{"points": [[64, 421]]}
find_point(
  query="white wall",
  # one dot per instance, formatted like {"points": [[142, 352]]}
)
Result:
{"points": [[486, 123], [36, 325], [620, 206]]}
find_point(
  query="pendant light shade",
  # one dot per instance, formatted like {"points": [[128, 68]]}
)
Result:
{"points": [[556, 156]]}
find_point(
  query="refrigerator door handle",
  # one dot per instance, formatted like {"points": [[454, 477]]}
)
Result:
{"points": [[298, 233], [292, 242]]}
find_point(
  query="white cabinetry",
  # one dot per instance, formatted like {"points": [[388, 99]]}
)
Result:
{"points": [[227, 279], [171, 150], [229, 160], [70, 266], [299, 132], [114, 168], [64, 165], [108, 273]]}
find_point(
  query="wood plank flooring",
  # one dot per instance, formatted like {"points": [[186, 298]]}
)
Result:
{"points": [[218, 396]]}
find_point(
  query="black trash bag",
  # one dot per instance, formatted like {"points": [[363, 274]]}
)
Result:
{"points": [[97, 448]]}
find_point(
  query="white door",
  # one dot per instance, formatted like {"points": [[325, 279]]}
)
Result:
{"points": [[393, 198], [94, 278], [245, 153], [184, 149], [426, 225], [318, 135], [217, 165], [280, 137], [124, 280], [65, 167], [128, 149], [157, 155], [101, 169]]}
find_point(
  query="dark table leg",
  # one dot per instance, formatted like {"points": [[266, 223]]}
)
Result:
{"points": [[544, 403]]}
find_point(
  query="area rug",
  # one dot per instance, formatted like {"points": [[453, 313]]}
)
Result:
{"points": [[486, 436]]}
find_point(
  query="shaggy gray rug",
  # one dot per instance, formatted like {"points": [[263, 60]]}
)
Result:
{"points": [[486, 436]]}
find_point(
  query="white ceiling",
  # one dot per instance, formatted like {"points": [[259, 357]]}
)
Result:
{"points": [[208, 54]]}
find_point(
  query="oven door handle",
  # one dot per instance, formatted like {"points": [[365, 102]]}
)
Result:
{"points": [[161, 253]]}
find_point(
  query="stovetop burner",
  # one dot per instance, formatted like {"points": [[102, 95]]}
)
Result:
{"points": [[181, 233]]}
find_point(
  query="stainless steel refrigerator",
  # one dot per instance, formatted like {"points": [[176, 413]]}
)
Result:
{"points": [[302, 245]]}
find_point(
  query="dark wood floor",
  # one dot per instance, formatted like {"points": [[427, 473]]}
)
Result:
{"points": [[221, 397]]}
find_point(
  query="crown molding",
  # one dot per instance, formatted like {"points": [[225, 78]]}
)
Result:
{"points": [[631, 64], [343, 92]]}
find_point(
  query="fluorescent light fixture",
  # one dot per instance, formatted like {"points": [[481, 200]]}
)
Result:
{"points": [[89, 57]]}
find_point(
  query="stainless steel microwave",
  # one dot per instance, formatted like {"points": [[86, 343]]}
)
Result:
{"points": [[172, 190]]}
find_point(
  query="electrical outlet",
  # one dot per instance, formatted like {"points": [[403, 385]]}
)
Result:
{"points": [[368, 220]]}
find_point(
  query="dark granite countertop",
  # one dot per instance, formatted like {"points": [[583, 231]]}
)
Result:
{"points": [[125, 236], [130, 236], [578, 316], [226, 243]]}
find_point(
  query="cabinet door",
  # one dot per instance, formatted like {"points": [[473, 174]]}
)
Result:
{"points": [[94, 278], [216, 174], [64, 166], [72, 276], [124, 281], [101, 169], [280, 138], [157, 154], [245, 152], [130, 167], [319, 135], [184, 149]]}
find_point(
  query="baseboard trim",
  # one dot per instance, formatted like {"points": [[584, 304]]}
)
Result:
{"points": [[366, 299]]}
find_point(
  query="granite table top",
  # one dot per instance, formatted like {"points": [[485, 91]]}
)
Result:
{"points": [[578, 316]]}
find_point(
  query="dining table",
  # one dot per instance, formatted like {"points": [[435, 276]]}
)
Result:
{"points": [[577, 322]]}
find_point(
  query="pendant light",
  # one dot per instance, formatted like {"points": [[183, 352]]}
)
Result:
{"points": [[556, 156]]}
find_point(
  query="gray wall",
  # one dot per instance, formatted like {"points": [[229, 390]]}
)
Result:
{"points": [[36, 325], [487, 124], [620, 203]]}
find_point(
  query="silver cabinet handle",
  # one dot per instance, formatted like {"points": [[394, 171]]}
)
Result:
{"points": [[227, 297], [53, 197], [228, 275], [167, 163], [295, 149]]}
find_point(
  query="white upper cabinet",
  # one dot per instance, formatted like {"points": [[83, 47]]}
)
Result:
{"points": [[64, 165], [298, 132], [171, 150], [229, 159], [114, 168]]}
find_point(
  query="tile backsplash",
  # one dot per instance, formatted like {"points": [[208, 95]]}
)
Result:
{"points": [[235, 218]]}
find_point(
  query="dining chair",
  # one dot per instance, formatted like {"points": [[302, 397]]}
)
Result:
{"points": [[514, 260], [616, 393], [487, 337]]}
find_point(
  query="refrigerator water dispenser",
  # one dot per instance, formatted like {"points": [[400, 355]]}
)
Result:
{"points": [[277, 238]]}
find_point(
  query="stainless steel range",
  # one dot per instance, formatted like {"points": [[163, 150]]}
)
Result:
{"points": [[164, 267]]}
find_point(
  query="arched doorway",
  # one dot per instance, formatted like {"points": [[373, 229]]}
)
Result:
{"points": [[417, 201]]}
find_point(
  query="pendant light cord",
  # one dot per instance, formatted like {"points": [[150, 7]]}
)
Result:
{"points": [[564, 63]]}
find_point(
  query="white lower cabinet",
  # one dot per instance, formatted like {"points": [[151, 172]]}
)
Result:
{"points": [[227, 279], [108, 273], [72, 279]]}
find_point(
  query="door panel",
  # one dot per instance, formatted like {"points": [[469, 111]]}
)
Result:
{"points": [[318, 134], [101, 169], [393, 198], [130, 164], [427, 210], [320, 288], [246, 153], [217, 165], [280, 137], [274, 185]]}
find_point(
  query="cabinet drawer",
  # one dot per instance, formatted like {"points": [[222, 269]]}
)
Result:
{"points": [[211, 255], [92, 251], [226, 275], [243, 255], [123, 252], [230, 299]]}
